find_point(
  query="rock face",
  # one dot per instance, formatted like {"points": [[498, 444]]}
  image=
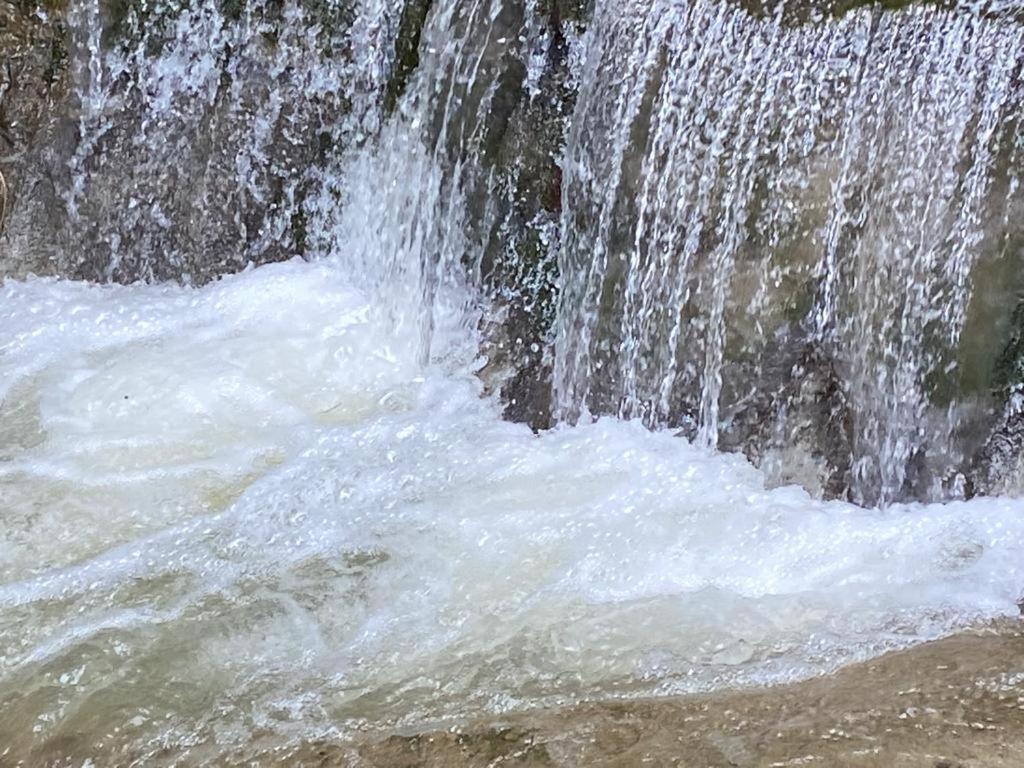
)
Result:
{"points": [[34, 87], [999, 466], [168, 141], [787, 317], [761, 194], [523, 236]]}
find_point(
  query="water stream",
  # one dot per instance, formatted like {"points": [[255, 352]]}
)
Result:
{"points": [[251, 508], [285, 504]]}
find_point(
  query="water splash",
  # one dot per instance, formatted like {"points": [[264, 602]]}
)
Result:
{"points": [[250, 511]]}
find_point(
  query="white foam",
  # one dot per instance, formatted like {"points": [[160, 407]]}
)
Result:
{"points": [[253, 501]]}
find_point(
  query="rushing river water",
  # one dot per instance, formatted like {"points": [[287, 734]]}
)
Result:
{"points": [[253, 509], [287, 504]]}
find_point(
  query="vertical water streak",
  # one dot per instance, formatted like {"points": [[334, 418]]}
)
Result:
{"points": [[204, 129], [763, 186]]}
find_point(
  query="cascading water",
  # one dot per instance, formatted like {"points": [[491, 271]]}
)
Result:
{"points": [[281, 506], [756, 188], [232, 109]]}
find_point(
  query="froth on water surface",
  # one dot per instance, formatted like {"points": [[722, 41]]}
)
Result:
{"points": [[252, 509]]}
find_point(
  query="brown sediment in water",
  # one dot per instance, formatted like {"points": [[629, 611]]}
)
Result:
{"points": [[954, 703]]}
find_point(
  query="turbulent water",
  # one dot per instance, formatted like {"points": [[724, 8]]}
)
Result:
{"points": [[286, 504], [251, 509]]}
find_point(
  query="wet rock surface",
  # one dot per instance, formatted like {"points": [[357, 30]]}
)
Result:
{"points": [[957, 703], [34, 87], [173, 141], [521, 244], [999, 465]]}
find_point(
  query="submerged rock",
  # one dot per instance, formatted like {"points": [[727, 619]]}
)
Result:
{"points": [[955, 702]]}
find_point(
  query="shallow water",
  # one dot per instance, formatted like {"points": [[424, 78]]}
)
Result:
{"points": [[253, 509]]}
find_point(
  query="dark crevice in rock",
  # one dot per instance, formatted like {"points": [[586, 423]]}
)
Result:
{"points": [[520, 258], [407, 50]]}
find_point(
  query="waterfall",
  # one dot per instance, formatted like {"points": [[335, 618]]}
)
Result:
{"points": [[789, 234], [758, 193], [308, 263], [202, 132]]}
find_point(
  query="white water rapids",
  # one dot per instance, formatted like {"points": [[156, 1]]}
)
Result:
{"points": [[250, 509], [258, 511]]}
